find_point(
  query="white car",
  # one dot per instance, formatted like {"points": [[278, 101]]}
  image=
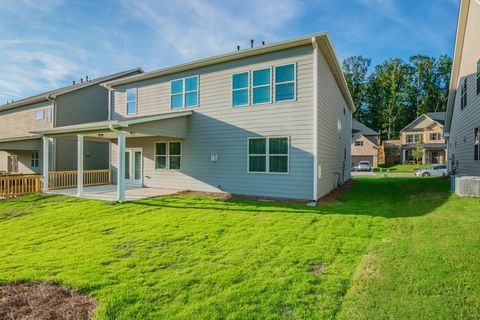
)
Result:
{"points": [[364, 166], [435, 171]]}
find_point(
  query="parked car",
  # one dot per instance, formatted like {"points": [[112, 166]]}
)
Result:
{"points": [[364, 166], [435, 171]]}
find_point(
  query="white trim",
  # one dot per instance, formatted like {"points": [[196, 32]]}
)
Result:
{"points": [[35, 159], [127, 101], [267, 155], [132, 182], [45, 163], [121, 166], [247, 88], [80, 151], [253, 87], [315, 119], [285, 82], [184, 93], [167, 155]]}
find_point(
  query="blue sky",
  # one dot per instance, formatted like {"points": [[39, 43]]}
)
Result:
{"points": [[47, 44]]}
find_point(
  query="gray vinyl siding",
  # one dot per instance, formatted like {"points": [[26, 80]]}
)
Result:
{"points": [[464, 121], [20, 121], [215, 126], [24, 158], [334, 132], [96, 154], [89, 104]]}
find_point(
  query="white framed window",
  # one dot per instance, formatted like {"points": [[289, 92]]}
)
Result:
{"points": [[463, 94], [168, 155], [39, 115], [12, 164], [132, 95], [285, 82], [34, 160], [358, 143], [184, 93], [48, 114], [268, 155], [476, 144], [414, 138], [241, 89], [435, 136], [262, 86]]}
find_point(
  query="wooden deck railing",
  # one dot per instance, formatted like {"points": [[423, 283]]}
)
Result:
{"points": [[19, 185], [68, 179]]}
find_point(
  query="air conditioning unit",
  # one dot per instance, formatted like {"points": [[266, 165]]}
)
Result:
{"points": [[467, 186]]}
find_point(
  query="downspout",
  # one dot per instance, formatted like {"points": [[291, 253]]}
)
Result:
{"points": [[315, 119], [54, 122], [110, 90]]}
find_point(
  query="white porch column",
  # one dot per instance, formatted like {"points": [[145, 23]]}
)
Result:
{"points": [[79, 165], [45, 141], [121, 167]]}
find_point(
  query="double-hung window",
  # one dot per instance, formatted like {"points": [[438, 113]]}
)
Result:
{"points": [[240, 89], [478, 76], [285, 82], [435, 136], [168, 155], [414, 138], [132, 101], [463, 101], [268, 155], [184, 92], [476, 144], [261, 86], [34, 160], [358, 143], [39, 115]]}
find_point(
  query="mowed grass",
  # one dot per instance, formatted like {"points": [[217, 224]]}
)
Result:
{"points": [[391, 248]]}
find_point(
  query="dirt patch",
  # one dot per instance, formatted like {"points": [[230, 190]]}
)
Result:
{"points": [[317, 269], [213, 195], [44, 301], [233, 197], [333, 196]]}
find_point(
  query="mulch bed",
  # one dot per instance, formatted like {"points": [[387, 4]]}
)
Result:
{"points": [[332, 197], [44, 301]]}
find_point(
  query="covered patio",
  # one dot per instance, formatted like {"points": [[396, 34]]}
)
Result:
{"points": [[129, 162]]}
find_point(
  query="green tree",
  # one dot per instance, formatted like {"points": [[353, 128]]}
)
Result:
{"points": [[356, 69], [417, 154]]}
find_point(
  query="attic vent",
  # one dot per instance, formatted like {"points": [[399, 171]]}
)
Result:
{"points": [[467, 186]]}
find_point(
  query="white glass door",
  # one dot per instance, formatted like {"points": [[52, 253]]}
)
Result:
{"points": [[133, 167]]}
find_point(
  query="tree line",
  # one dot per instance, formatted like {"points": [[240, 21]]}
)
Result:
{"points": [[394, 93]]}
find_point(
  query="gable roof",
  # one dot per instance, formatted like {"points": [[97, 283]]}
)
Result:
{"points": [[457, 57], [57, 92], [360, 128], [438, 117], [319, 40]]}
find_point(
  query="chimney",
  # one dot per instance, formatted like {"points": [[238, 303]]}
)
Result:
{"points": [[251, 43], [81, 80], [238, 48]]}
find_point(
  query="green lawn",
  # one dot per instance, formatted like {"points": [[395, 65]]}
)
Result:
{"points": [[402, 168], [390, 249]]}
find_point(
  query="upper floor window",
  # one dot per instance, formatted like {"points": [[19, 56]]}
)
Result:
{"points": [[261, 86], [240, 89], [285, 82], [34, 160], [414, 138], [476, 144], [478, 76], [39, 115], [268, 155], [435, 136], [132, 101], [184, 93], [463, 102], [358, 143]]}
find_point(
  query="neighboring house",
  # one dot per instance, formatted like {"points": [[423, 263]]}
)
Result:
{"points": [[20, 150], [273, 120], [462, 127], [364, 144], [427, 132]]}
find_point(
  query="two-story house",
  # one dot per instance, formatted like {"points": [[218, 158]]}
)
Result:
{"points": [[427, 132], [273, 120], [364, 144], [85, 101], [462, 127]]}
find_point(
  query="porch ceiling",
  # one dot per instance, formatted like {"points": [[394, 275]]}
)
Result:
{"points": [[172, 124]]}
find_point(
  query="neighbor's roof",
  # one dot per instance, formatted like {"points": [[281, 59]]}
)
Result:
{"points": [[437, 116], [54, 93], [457, 57], [320, 40], [360, 128]]}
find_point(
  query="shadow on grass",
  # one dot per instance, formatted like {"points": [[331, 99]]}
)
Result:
{"points": [[388, 198]]}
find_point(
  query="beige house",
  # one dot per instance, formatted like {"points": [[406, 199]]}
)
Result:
{"points": [[427, 132], [462, 127], [364, 144]]}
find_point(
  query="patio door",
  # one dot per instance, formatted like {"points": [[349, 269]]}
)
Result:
{"points": [[133, 167]]}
